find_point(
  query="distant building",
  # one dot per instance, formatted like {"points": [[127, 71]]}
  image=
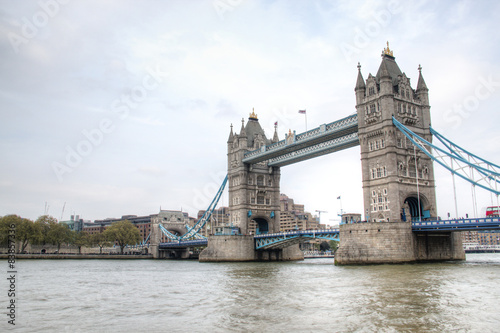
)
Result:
{"points": [[75, 223], [482, 237], [293, 217], [169, 217], [220, 218]]}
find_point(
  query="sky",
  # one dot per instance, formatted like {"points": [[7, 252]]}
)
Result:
{"points": [[119, 107]]}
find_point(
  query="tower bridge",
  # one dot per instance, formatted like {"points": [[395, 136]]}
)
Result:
{"points": [[392, 127]]}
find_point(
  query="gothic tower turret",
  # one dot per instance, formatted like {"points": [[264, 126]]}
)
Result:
{"points": [[254, 189], [391, 167]]}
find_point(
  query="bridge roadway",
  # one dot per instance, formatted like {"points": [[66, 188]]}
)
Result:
{"points": [[325, 139], [487, 223], [284, 239]]}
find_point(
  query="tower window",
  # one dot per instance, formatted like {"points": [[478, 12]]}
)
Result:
{"points": [[371, 91], [260, 200], [260, 181], [372, 108]]}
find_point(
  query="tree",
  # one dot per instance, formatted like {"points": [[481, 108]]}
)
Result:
{"points": [[58, 234], [44, 222], [80, 239], [5, 227], [25, 231], [124, 233], [324, 246], [334, 245], [101, 240]]}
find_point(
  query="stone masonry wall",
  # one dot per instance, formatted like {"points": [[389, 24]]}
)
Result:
{"points": [[375, 243]]}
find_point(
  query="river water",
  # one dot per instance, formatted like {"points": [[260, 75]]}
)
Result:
{"points": [[306, 296]]}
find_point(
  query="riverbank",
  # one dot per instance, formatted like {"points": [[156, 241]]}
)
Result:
{"points": [[78, 256]]}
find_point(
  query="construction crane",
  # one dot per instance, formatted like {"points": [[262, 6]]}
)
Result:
{"points": [[319, 212], [62, 213]]}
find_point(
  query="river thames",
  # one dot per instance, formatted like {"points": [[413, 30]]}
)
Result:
{"points": [[306, 296]]}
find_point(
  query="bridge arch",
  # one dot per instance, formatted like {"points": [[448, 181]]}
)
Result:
{"points": [[416, 206], [261, 225]]}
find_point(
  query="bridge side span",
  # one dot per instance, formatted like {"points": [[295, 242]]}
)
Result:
{"points": [[285, 239]]}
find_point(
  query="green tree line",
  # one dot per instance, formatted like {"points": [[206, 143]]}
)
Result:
{"points": [[45, 230]]}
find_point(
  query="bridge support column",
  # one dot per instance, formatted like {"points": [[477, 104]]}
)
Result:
{"points": [[154, 240], [229, 248], [225, 248], [394, 243], [432, 246]]}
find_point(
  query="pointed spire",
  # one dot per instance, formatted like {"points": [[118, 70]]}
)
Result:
{"points": [[243, 133], [231, 135], [275, 137], [360, 83], [421, 86]]}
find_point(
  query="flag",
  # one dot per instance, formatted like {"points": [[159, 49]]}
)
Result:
{"points": [[338, 197], [302, 111], [276, 124]]}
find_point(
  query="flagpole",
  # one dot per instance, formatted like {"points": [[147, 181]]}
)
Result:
{"points": [[304, 112]]}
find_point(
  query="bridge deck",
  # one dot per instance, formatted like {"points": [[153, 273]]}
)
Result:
{"points": [[492, 223], [183, 244], [285, 239]]}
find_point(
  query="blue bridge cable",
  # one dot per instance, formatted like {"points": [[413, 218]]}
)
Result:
{"points": [[448, 144], [167, 233], [489, 174], [206, 215]]}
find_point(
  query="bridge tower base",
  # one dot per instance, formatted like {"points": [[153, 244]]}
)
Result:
{"points": [[394, 243], [224, 248]]}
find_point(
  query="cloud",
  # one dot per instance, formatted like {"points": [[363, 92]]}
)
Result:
{"points": [[277, 57]]}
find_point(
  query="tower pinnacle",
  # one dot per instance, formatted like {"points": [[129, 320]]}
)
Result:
{"points": [[388, 51]]}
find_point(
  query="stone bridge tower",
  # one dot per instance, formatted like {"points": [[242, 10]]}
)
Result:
{"points": [[254, 189], [398, 180]]}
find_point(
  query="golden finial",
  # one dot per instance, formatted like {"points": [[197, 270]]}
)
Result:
{"points": [[388, 51], [253, 115]]}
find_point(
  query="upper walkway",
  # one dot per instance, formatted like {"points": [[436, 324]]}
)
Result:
{"points": [[325, 139]]}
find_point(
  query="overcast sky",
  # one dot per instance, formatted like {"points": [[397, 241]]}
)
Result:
{"points": [[119, 107]]}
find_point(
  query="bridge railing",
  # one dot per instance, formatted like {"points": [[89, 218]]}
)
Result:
{"points": [[485, 223], [298, 233]]}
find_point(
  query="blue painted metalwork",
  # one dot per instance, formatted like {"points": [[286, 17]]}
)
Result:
{"points": [[143, 243], [458, 161], [488, 223], [284, 239], [168, 233], [206, 216], [327, 138], [181, 244]]}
